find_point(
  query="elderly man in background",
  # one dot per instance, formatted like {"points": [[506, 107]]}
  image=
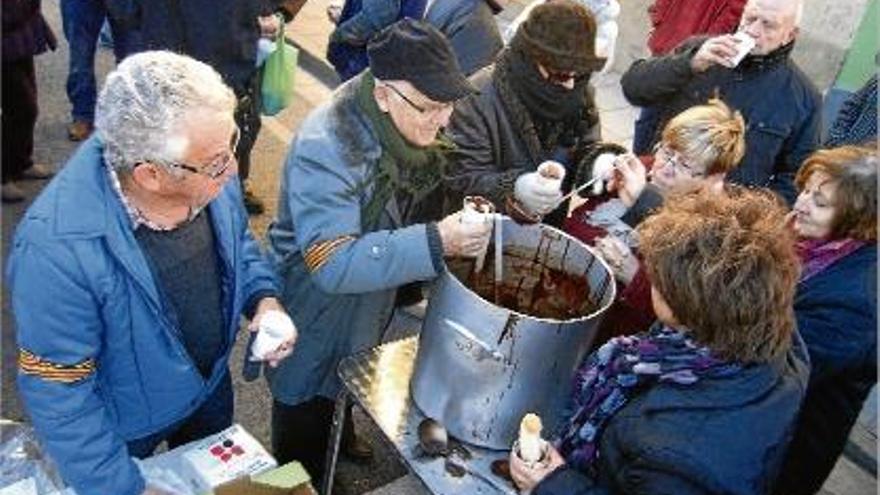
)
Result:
{"points": [[357, 219], [535, 104], [781, 106], [129, 275]]}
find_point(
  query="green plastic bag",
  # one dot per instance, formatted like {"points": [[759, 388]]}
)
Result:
{"points": [[278, 75]]}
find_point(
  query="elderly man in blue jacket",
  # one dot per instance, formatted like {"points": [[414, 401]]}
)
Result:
{"points": [[358, 218], [129, 275]]}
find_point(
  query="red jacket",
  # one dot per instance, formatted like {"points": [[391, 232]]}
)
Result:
{"points": [[674, 21]]}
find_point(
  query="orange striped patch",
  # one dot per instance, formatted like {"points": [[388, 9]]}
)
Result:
{"points": [[318, 253], [31, 364]]}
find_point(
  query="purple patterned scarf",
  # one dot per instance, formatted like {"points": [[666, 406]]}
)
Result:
{"points": [[619, 370], [818, 254]]}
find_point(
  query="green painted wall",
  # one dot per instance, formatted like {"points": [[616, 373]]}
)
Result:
{"points": [[859, 64]]}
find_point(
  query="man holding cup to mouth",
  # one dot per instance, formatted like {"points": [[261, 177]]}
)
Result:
{"points": [[781, 106]]}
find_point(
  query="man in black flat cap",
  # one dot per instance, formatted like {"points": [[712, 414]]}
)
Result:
{"points": [[535, 104], [357, 220]]}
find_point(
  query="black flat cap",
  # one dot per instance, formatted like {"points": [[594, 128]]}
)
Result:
{"points": [[416, 52]]}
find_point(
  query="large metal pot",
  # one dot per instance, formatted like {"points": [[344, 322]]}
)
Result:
{"points": [[480, 366]]}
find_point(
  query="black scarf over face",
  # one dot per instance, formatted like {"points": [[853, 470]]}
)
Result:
{"points": [[545, 100], [546, 114]]}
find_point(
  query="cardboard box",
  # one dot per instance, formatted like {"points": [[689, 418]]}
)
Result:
{"points": [[289, 479], [231, 462], [231, 454]]}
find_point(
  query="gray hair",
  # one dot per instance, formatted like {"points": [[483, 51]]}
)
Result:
{"points": [[142, 107], [797, 12]]}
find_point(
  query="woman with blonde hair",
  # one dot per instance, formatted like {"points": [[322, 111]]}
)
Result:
{"points": [[835, 220], [698, 148]]}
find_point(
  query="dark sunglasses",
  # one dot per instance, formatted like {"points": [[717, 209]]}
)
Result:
{"points": [[564, 77]]}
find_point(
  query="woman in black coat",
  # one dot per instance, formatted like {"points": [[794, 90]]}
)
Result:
{"points": [[705, 401], [835, 218]]}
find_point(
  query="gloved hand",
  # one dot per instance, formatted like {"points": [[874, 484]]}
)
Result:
{"points": [[463, 239], [538, 193]]}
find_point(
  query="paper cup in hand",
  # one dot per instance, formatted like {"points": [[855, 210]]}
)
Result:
{"points": [[745, 43], [275, 329], [477, 209], [551, 174]]}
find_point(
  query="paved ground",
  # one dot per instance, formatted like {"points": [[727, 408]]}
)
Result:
{"points": [[313, 85]]}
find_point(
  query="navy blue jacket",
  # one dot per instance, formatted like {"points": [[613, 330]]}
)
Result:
{"points": [[718, 436], [837, 316], [781, 107], [472, 30], [220, 33], [358, 22]]}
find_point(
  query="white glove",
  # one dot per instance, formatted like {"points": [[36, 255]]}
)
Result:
{"points": [[464, 239], [539, 192]]}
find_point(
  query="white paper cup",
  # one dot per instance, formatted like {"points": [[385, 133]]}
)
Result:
{"points": [[275, 329]]}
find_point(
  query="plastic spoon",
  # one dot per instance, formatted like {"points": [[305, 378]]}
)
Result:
{"points": [[575, 191]]}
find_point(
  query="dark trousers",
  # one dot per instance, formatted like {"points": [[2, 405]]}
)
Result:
{"points": [[19, 116], [213, 416], [302, 433], [247, 118]]}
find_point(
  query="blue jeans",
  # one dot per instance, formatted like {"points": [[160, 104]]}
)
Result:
{"points": [[82, 21], [213, 416]]}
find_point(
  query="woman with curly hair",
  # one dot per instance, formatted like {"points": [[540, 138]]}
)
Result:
{"points": [[835, 219], [705, 401]]}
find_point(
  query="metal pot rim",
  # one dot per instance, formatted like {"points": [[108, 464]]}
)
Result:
{"points": [[602, 308]]}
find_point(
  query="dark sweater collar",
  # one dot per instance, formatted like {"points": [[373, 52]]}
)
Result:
{"points": [[757, 63]]}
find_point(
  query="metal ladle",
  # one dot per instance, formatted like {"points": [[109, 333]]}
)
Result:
{"points": [[434, 441]]}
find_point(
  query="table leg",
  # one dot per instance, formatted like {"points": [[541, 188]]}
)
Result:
{"points": [[335, 440]]}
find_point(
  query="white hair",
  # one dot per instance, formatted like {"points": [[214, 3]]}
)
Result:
{"points": [[145, 101], [798, 6]]}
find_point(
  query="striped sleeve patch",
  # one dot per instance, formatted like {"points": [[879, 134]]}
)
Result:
{"points": [[318, 253], [31, 364]]}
